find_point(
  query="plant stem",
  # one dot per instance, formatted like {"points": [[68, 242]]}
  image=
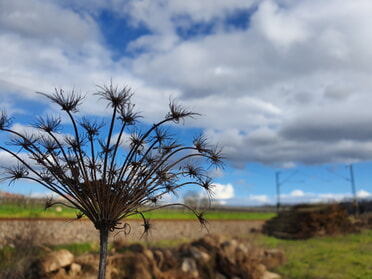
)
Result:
{"points": [[103, 241]]}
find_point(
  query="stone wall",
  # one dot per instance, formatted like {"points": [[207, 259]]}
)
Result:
{"points": [[213, 256], [64, 231]]}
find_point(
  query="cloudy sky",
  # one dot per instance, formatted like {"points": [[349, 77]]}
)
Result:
{"points": [[284, 86]]}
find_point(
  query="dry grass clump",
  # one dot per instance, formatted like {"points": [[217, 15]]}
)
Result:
{"points": [[306, 221]]}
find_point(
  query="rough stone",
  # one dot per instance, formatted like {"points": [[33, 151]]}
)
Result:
{"points": [[75, 269], [199, 255], [149, 254], [56, 260], [189, 266], [272, 258], [270, 275], [159, 258], [142, 269], [229, 250], [225, 258]]}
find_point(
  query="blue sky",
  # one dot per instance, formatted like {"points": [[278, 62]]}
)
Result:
{"points": [[284, 86]]}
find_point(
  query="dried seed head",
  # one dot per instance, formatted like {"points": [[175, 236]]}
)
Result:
{"points": [[48, 124], [5, 121], [116, 97], [200, 215], [48, 203], [92, 128], [68, 103], [100, 178], [79, 215], [147, 226], [177, 112]]}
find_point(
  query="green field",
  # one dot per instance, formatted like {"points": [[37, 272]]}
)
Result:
{"points": [[182, 214], [31, 209], [337, 257]]}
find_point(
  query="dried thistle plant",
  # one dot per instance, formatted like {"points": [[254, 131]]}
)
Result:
{"points": [[95, 174]]}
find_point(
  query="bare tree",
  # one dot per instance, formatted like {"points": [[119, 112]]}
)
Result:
{"points": [[96, 175]]}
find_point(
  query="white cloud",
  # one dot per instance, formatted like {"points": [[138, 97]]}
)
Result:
{"points": [[292, 86], [297, 193], [251, 200], [299, 196], [223, 192], [281, 27], [6, 160], [262, 199], [45, 21], [162, 16], [43, 46], [268, 88], [295, 197], [363, 194]]}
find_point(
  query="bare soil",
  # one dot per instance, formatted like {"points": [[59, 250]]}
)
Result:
{"points": [[42, 231]]}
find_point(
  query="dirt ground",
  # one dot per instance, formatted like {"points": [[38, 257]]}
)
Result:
{"points": [[66, 231]]}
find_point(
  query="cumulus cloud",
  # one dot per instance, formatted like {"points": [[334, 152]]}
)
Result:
{"points": [[223, 192], [7, 160], [262, 199], [285, 85], [272, 21], [299, 196], [363, 194], [251, 200], [289, 84], [44, 45], [165, 16], [28, 18], [295, 197]]}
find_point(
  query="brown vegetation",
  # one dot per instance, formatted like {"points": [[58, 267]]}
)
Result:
{"points": [[306, 221]]}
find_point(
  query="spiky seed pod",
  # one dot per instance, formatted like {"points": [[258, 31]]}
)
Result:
{"points": [[48, 124], [5, 121], [67, 102], [104, 181]]}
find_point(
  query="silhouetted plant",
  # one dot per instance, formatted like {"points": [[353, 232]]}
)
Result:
{"points": [[97, 175]]}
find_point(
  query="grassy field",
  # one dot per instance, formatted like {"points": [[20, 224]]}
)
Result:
{"points": [[338, 257], [34, 210], [29, 209], [181, 214]]}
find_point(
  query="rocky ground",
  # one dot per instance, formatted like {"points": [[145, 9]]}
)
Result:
{"points": [[213, 253], [212, 256]]}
